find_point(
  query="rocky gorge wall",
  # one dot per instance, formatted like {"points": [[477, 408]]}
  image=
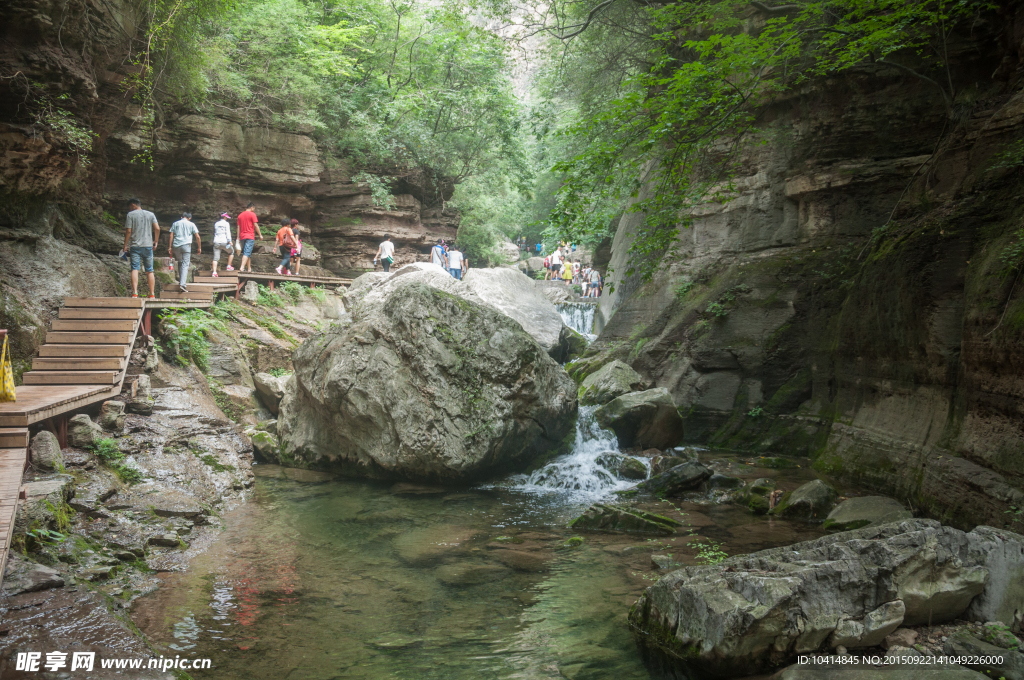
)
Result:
{"points": [[850, 302], [65, 67]]}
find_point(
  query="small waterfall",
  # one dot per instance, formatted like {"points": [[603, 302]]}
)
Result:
{"points": [[578, 316], [578, 474]]}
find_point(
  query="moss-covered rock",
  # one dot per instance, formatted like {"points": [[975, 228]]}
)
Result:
{"points": [[813, 500], [600, 517], [612, 380], [863, 511]]}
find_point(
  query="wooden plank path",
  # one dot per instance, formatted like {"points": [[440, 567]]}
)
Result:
{"points": [[274, 277], [84, 360]]}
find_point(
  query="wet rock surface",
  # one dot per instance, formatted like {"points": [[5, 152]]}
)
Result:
{"points": [[612, 380], [685, 477], [601, 517], [863, 511], [648, 419], [813, 500]]}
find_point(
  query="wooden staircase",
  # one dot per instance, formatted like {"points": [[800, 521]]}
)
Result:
{"points": [[88, 344]]}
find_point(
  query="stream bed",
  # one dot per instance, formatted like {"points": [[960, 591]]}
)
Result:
{"points": [[318, 577]]}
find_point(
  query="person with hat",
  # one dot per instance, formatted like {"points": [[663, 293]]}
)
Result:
{"points": [[180, 247], [222, 242]]}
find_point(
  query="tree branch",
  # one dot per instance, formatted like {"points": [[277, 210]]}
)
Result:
{"points": [[945, 96], [773, 11]]}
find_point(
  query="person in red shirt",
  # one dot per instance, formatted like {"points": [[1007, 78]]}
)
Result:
{"points": [[248, 231]]}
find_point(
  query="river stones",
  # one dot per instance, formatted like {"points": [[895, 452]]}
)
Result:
{"points": [[602, 517], [863, 511], [813, 500], [464, 574], [647, 419], [755, 612], [612, 380], [423, 547], [755, 496], [685, 477], [1002, 662], [425, 386], [23, 576]]}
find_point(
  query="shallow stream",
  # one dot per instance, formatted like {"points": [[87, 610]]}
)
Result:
{"points": [[320, 578]]}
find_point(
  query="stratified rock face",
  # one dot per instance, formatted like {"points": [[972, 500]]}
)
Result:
{"points": [[754, 612], [425, 385], [612, 380], [648, 419]]}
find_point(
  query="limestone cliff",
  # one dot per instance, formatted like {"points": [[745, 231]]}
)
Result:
{"points": [[64, 69], [849, 302]]}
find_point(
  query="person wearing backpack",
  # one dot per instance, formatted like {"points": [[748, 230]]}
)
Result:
{"points": [[285, 243], [438, 256]]}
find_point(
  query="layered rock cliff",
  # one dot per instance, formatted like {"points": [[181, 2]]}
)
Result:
{"points": [[71, 140], [851, 301]]}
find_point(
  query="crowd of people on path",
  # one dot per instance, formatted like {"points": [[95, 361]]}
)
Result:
{"points": [[142, 233], [446, 255], [561, 266]]}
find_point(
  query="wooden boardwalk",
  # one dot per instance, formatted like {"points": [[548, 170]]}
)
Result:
{"points": [[84, 360], [273, 278]]}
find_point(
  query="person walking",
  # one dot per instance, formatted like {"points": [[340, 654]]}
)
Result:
{"points": [[297, 250], [385, 253], [141, 232], [595, 283], [222, 242], [179, 247], [285, 243], [540, 247], [437, 255], [567, 273], [455, 261], [556, 263], [248, 232]]}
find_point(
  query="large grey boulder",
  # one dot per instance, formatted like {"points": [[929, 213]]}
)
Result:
{"points": [[250, 292], [813, 500], [270, 389], [516, 295], [754, 612], [863, 511], [44, 451], [23, 576], [612, 380], [993, 660], [648, 419], [425, 385], [686, 477], [82, 432]]}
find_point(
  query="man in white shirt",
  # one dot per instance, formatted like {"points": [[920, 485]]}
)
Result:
{"points": [[385, 253], [556, 262], [455, 260], [437, 255]]}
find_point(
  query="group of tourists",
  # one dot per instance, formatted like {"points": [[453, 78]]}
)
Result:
{"points": [[445, 255], [559, 266], [142, 233]]}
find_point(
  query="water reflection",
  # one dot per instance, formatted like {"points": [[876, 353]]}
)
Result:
{"points": [[325, 579]]}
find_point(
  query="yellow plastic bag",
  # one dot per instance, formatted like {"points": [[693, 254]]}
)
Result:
{"points": [[6, 375]]}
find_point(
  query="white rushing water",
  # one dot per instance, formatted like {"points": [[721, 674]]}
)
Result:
{"points": [[579, 316], [578, 476]]}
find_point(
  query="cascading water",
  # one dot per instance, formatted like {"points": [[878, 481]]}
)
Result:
{"points": [[579, 475], [578, 316]]}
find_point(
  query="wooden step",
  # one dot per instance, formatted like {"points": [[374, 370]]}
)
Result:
{"points": [[94, 324], [78, 363], [98, 313], [13, 437], [73, 338], [68, 351], [70, 377], [226, 280], [196, 295], [103, 302]]}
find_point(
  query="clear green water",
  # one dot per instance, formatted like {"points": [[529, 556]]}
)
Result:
{"points": [[341, 579]]}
